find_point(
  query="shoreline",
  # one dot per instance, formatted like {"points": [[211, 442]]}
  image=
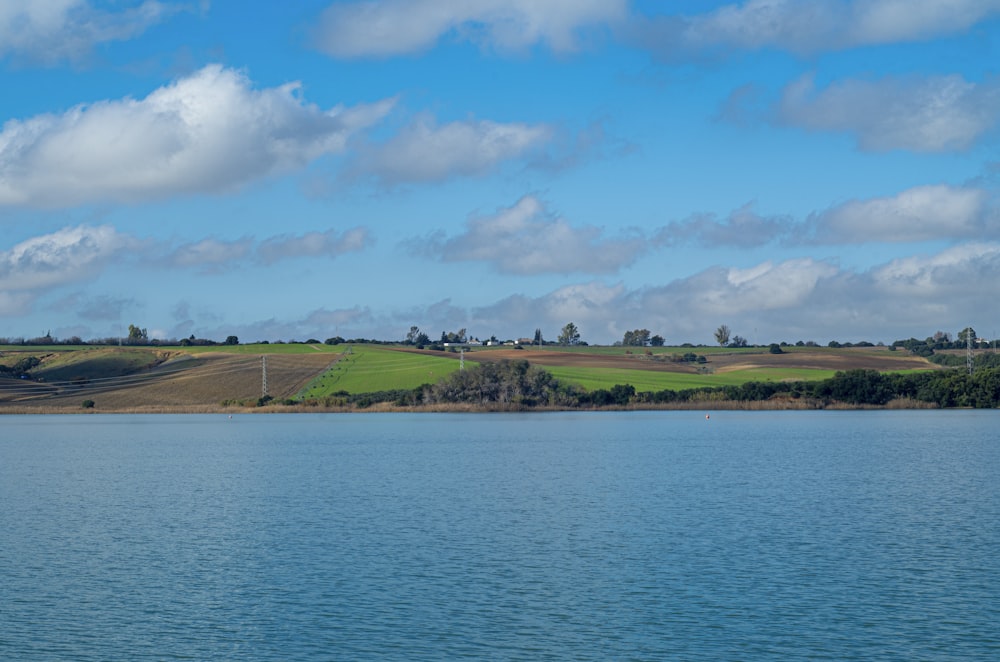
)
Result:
{"points": [[388, 408]]}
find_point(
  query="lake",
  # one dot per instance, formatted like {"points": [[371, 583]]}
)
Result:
{"points": [[583, 536]]}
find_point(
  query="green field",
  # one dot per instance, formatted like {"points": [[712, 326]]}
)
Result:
{"points": [[646, 380], [370, 368]]}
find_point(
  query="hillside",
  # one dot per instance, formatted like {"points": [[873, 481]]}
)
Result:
{"points": [[202, 379]]}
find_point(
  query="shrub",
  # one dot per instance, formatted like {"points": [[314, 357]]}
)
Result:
{"points": [[88, 404]]}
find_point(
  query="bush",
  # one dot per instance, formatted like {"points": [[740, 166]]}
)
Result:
{"points": [[88, 404]]}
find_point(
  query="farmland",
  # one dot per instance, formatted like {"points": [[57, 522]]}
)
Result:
{"points": [[203, 378]]}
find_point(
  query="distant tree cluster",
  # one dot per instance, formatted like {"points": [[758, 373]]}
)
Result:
{"points": [[636, 338], [941, 341]]}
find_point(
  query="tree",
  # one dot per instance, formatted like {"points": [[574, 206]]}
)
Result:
{"points": [[232, 340], [657, 341], [738, 341], [453, 337], [636, 338], [570, 335], [414, 335], [538, 337], [967, 335], [137, 335], [722, 335]]}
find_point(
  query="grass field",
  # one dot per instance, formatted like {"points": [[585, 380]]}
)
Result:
{"points": [[369, 368], [646, 380]]}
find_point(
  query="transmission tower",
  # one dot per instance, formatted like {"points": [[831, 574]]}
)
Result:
{"points": [[263, 367], [968, 350]]}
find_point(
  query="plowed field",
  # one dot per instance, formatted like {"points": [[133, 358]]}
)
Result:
{"points": [[186, 381]]}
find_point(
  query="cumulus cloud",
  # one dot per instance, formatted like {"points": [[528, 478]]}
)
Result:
{"points": [[209, 132], [66, 256], [312, 244], [527, 239], [808, 27], [48, 31], [386, 28], [425, 151], [742, 228], [935, 114], [950, 273], [210, 254], [917, 214]]}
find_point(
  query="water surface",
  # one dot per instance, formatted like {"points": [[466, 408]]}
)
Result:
{"points": [[648, 535]]}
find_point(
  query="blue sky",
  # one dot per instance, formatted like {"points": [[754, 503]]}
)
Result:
{"points": [[797, 170]]}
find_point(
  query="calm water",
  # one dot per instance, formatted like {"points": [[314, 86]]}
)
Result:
{"points": [[659, 535]]}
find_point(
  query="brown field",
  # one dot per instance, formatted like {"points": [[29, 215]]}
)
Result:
{"points": [[182, 383]]}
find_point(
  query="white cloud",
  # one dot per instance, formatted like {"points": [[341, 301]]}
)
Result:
{"points": [[427, 152], [936, 114], [207, 133], [810, 27], [210, 254], [917, 214], [312, 244], [953, 272], [213, 255], [48, 31], [385, 28], [66, 256], [743, 228], [763, 287], [527, 239]]}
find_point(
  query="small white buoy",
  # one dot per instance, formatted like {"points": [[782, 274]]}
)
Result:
{"points": [[706, 417]]}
